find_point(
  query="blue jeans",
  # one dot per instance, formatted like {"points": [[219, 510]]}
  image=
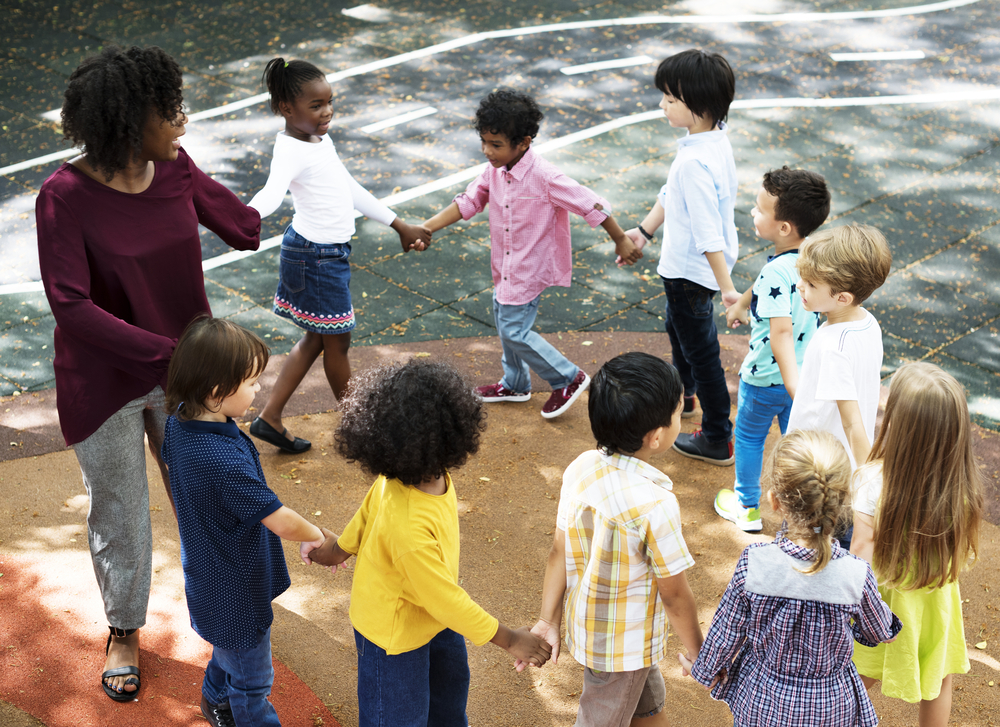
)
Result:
{"points": [[523, 348], [690, 323], [243, 677], [757, 408], [426, 687]]}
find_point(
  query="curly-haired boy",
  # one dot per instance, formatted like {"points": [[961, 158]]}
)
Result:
{"points": [[530, 248]]}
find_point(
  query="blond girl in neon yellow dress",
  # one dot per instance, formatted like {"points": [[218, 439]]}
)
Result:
{"points": [[917, 510]]}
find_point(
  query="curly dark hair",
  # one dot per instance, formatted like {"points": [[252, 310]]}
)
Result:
{"points": [[509, 112], [410, 421], [284, 80], [802, 198], [109, 99]]}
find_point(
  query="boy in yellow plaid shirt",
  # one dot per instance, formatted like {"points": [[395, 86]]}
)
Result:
{"points": [[618, 552]]}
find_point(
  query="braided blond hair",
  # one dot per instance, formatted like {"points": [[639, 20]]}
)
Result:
{"points": [[810, 476]]}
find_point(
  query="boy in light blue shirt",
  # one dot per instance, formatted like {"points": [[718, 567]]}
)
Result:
{"points": [[699, 241], [791, 204]]}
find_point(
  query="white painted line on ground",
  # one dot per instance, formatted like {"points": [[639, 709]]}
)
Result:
{"points": [[889, 55], [989, 94], [397, 120], [606, 65], [551, 28]]}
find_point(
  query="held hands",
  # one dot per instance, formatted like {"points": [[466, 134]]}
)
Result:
{"points": [[527, 648], [730, 298], [687, 661], [737, 314], [307, 547], [412, 237], [638, 242], [549, 633], [628, 252], [327, 553]]}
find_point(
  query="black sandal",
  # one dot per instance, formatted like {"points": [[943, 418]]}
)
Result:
{"points": [[135, 678]]}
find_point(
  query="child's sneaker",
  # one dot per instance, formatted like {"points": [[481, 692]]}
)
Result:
{"points": [[498, 392], [695, 445], [688, 411], [562, 399], [728, 505]]}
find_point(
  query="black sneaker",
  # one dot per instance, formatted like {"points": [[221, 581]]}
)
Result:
{"points": [[695, 446], [218, 715], [688, 411]]}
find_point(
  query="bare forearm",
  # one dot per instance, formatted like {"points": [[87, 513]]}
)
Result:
{"points": [[717, 261], [554, 587], [289, 525], [448, 216], [614, 230], [654, 219], [678, 601], [783, 348]]}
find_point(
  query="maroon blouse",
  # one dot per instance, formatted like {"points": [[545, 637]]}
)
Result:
{"points": [[123, 276]]}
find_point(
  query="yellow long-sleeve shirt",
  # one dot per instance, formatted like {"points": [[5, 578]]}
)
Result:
{"points": [[405, 588]]}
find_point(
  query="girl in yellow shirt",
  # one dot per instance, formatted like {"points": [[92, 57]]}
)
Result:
{"points": [[409, 424]]}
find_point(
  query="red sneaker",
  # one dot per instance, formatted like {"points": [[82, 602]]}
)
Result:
{"points": [[562, 399], [497, 392]]}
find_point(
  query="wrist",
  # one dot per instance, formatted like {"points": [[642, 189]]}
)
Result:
{"points": [[642, 231]]}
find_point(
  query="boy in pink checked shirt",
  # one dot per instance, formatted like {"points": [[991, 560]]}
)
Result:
{"points": [[530, 249]]}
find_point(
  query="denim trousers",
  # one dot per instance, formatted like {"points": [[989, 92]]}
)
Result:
{"points": [[694, 340], [426, 687], [524, 349], [113, 463], [243, 677], [756, 409]]}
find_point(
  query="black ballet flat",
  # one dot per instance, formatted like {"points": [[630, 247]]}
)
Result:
{"points": [[262, 430]]}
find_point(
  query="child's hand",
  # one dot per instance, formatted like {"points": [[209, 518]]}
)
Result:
{"points": [[549, 633], [328, 553], [737, 314], [412, 237], [686, 663], [730, 298], [638, 242], [523, 645], [628, 252], [306, 548]]}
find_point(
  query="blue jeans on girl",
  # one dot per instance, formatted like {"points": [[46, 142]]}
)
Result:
{"points": [[426, 687]]}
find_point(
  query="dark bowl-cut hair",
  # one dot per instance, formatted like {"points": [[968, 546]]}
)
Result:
{"points": [[410, 421], [284, 80], [803, 198], [509, 112], [109, 99], [703, 81], [630, 396], [212, 358]]}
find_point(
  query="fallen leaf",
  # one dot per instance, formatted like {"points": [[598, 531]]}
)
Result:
{"points": [[588, 343], [981, 645], [484, 479]]}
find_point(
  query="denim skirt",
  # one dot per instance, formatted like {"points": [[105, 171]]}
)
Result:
{"points": [[314, 285]]}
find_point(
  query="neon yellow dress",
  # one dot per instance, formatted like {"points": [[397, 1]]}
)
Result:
{"points": [[932, 643]]}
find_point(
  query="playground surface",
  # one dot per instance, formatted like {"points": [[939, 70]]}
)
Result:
{"points": [[908, 144]]}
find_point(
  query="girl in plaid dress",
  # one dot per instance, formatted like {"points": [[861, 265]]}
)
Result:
{"points": [[779, 648], [917, 510]]}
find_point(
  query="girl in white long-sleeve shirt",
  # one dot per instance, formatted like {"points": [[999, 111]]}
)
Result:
{"points": [[314, 272]]}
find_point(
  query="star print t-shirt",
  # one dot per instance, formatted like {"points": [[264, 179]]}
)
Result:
{"points": [[774, 296]]}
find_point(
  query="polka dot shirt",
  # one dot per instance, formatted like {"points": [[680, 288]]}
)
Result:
{"points": [[233, 565]]}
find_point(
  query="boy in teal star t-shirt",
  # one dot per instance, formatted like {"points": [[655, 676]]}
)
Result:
{"points": [[791, 204]]}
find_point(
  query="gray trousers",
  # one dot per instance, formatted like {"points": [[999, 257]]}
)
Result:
{"points": [[113, 462]]}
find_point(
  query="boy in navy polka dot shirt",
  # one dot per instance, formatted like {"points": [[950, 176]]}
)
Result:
{"points": [[231, 523]]}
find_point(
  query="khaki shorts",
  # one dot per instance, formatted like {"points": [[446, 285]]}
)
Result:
{"points": [[615, 698]]}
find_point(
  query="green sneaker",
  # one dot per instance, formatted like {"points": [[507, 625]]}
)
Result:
{"points": [[727, 504]]}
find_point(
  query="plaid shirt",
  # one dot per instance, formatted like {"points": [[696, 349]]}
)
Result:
{"points": [[786, 638], [530, 247], [623, 531]]}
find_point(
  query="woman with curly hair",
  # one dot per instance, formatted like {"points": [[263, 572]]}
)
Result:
{"points": [[410, 423], [120, 258]]}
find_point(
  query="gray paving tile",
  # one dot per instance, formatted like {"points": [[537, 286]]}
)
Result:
{"points": [[896, 352], [561, 309], [380, 303], [444, 322], [961, 201], [255, 276], [26, 356], [595, 268], [980, 347], [278, 333], [633, 319], [453, 267], [969, 267], [18, 236], [910, 235], [17, 309], [927, 313]]}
